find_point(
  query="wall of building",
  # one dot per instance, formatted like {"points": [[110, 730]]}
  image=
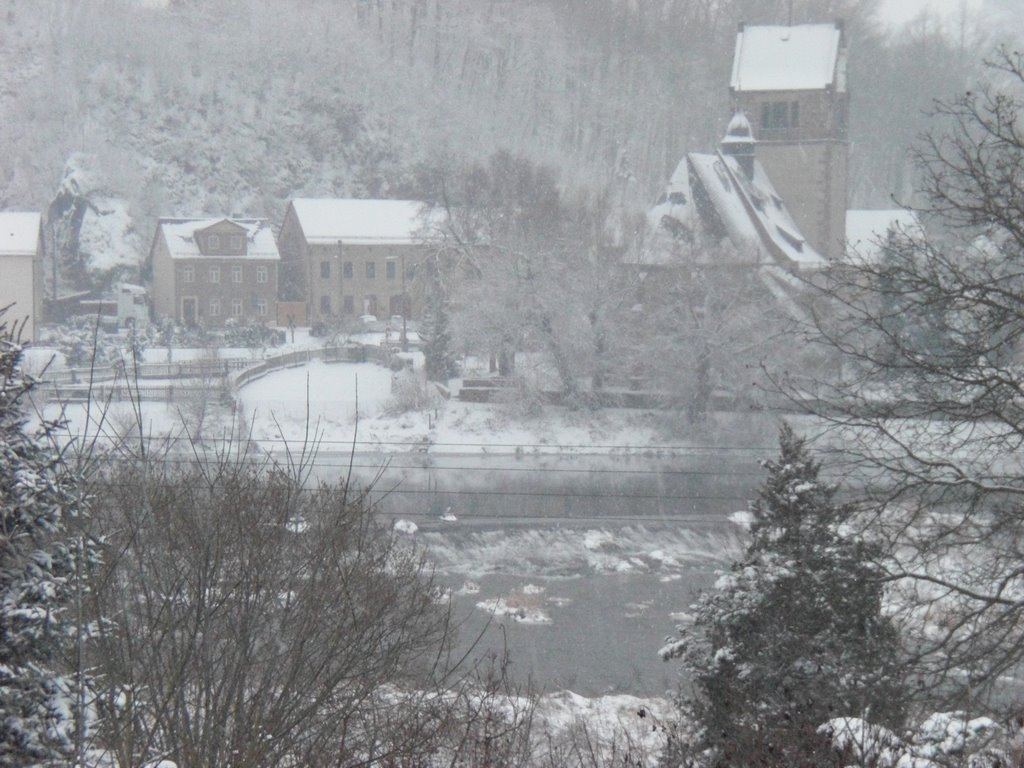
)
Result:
{"points": [[346, 281], [19, 287], [817, 114], [811, 179], [222, 298]]}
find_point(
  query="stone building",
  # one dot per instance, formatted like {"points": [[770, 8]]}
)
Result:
{"points": [[346, 258], [790, 81], [207, 270]]}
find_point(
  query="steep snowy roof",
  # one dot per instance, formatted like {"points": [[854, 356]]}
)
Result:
{"points": [[672, 212], [781, 58], [181, 241], [19, 233], [753, 214], [360, 222]]}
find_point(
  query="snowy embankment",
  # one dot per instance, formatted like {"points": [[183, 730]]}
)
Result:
{"points": [[373, 409], [380, 410]]}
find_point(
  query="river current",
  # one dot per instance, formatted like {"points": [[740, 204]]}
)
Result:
{"points": [[578, 567]]}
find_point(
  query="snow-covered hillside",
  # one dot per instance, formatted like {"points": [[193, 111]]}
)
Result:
{"points": [[189, 107]]}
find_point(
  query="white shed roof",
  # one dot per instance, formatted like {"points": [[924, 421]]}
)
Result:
{"points": [[866, 230], [19, 233], [386, 222], [781, 58]]}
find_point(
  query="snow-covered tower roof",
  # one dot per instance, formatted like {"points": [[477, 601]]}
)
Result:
{"points": [[739, 142], [789, 58]]}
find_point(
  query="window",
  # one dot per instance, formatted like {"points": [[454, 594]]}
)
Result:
{"points": [[347, 305], [236, 242], [236, 307], [346, 270], [236, 274], [214, 307], [214, 274], [325, 269], [261, 274], [261, 307], [188, 274], [778, 115], [325, 305], [389, 268], [212, 243], [371, 270]]}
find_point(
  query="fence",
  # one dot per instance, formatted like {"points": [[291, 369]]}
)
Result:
{"points": [[150, 381], [119, 389], [191, 369]]}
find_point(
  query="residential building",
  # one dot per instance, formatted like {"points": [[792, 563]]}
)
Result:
{"points": [[791, 83], [21, 258], [347, 258], [209, 270]]}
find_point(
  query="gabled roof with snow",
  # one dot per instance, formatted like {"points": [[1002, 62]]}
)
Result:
{"points": [[752, 212], [672, 215], [787, 58], [19, 233], [360, 222], [179, 235], [866, 230]]}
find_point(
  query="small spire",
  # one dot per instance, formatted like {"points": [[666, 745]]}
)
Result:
{"points": [[739, 142], [739, 130]]}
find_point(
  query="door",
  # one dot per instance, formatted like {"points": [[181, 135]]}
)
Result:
{"points": [[188, 310]]}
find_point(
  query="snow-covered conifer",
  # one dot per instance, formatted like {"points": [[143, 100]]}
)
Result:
{"points": [[793, 636], [36, 579]]}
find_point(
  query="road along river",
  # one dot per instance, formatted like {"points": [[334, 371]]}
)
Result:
{"points": [[579, 566]]}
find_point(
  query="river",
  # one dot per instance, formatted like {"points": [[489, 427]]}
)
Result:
{"points": [[577, 566]]}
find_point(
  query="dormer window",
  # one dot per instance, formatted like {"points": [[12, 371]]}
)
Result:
{"points": [[212, 243], [236, 242], [795, 241]]}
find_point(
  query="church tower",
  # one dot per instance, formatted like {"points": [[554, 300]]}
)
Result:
{"points": [[791, 83]]}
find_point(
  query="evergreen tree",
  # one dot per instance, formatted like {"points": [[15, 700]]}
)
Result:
{"points": [[439, 359], [36, 579], [793, 636]]}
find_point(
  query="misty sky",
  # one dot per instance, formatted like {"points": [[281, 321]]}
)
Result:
{"points": [[900, 11]]}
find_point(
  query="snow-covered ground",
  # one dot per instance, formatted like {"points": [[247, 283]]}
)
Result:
{"points": [[393, 418]]}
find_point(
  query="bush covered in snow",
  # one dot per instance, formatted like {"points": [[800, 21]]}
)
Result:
{"points": [[409, 392], [942, 740]]}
